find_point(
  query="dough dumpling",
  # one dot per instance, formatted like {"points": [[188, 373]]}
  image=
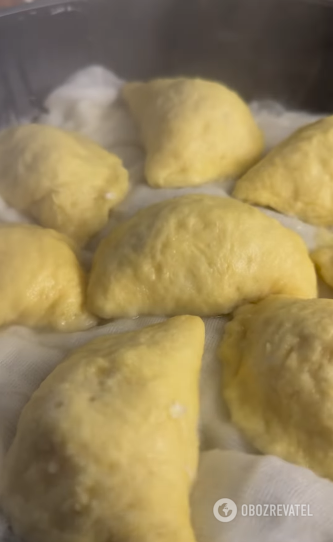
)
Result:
{"points": [[41, 281], [278, 381], [194, 131], [323, 259], [63, 180], [107, 448], [295, 178], [196, 254]]}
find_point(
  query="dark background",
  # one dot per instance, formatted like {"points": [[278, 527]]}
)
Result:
{"points": [[279, 49]]}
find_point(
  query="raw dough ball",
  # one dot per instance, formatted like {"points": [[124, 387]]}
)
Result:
{"points": [[61, 179], [295, 178], [196, 254], [107, 448], [41, 280], [194, 131], [278, 380], [323, 259]]}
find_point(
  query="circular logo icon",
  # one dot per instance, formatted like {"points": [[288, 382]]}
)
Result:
{"points": [[225, 510]]}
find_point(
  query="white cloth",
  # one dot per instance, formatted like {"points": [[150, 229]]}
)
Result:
{"points": [[229, 466]]}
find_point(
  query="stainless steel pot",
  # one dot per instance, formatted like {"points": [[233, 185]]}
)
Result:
{"points": [[276, 49]]}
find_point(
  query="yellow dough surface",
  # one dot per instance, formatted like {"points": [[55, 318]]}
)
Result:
{"points": [[278, 380], [41, 281], [196, 254], [194, 131], [107, 447], [323, 259], [295, 178], [62, 179]]}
